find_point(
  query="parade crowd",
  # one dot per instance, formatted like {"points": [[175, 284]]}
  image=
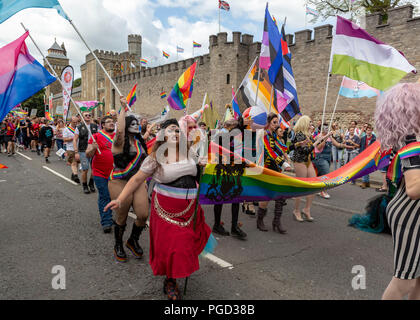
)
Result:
{"points": [[123, 154]]}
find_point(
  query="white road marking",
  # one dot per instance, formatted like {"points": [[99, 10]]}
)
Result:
{"points": [[218, 261], [209, 256], [60, 175], [23, 155], [2, 180]]}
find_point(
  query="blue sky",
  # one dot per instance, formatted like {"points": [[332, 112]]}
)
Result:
{"points": [[162, 23]]}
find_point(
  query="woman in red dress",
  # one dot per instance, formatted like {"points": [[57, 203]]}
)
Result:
{"points": [[177, 236]]}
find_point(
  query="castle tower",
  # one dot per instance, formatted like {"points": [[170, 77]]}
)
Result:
{"points": [[57, 56], [134, 45]]}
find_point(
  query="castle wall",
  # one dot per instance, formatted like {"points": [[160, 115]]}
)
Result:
{"points": [[310, 59]]}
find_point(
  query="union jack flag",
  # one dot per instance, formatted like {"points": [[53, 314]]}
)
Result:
{"points": [[224, 5]]}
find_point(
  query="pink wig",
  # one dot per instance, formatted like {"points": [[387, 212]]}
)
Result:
{"points": [[398, 115], [183, 123]]}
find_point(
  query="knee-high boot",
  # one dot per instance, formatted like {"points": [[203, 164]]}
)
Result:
{"points": [[119, 248], [132, 242], [278, 211], [260, 219]]}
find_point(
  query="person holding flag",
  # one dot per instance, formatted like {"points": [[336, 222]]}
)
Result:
{"points": [[129, 150]]}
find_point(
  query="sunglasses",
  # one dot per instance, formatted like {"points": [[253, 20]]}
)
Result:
{"points": [[87, 115]]}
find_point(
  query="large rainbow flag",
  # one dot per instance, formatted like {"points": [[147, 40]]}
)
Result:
{"points": [[261, 184], [183, 89]]}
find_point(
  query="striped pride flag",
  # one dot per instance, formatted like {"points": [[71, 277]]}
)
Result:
{"points": [[131, 98], [312, 11], [179, 49], [143, 62], [166, 55], [183, 89], [196, 45], [163, 94]]}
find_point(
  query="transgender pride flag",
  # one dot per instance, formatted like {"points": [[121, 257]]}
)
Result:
{"points": [[357, 89], [21, 76]]}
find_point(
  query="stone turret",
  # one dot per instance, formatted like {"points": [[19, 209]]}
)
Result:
{"points": [[134, 45]]}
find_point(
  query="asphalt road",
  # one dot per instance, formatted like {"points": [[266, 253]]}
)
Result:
{"points": [[47, 221]]}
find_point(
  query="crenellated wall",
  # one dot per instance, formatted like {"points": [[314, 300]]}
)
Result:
{"points": [[228, 61], [310, 59]]}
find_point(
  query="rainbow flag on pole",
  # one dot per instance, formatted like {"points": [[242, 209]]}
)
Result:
{"points": [[166, 55], [131, 98], [196, 45], [163, 94], [143, 62], [183, 89]]}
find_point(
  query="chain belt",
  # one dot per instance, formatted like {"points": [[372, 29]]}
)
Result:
{"points": [[169, 215]]}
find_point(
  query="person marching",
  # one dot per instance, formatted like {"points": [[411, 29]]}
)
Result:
{"points": [[68, 135], [178, 232], [102, 164], [129, 150], [46, 139], [274, 159]]}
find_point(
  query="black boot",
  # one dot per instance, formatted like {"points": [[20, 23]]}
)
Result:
{"points": [[75, 178], [218, 228], [237, 232], [278, 211], [260, 219], [119, 248], [85, 188], [92, 185], [132, 242]]}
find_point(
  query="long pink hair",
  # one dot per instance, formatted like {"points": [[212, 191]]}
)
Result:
{"points": [[398, 115]]}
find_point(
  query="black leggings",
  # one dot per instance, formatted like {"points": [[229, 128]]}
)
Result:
{"points": [[218, 213]]}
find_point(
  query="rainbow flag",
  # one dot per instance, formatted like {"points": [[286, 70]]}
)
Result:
{"points": [[48, 116], [196, 45], [122, 68], [394, 170], [2, 166], [183, 89], [262, 184], [131, 98], [235, 105], [143, 62], [166, 55], [163, 94]]}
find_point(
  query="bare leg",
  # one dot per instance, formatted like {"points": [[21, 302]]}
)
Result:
{"points": [[384, 184], [84, 176], [115, 187], [301, 172], [415, 292], [310, 174], [74, 167], [141, 205], [398, 289]]}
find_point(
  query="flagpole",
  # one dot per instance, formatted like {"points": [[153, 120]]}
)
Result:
{"points": [[335, 107], [243, 80], [94, 55], [258, 83], [219, 16], [271, 97], [58, 78]]}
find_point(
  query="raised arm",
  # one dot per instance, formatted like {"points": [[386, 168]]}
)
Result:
{"points": [[119, 135]]}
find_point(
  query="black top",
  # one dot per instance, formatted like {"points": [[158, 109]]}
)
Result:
{"points": [[84, 135], [46, 134], [302, 153]]}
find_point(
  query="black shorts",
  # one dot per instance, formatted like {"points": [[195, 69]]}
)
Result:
{"points": [[47, 144], [7, 138]]}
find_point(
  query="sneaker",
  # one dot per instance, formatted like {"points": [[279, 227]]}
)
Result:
{"points": [[220, 230], [86, 189], [237, 232]]}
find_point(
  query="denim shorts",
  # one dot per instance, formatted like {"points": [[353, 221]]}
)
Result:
{"points": [[84, 161], [322, 166]]}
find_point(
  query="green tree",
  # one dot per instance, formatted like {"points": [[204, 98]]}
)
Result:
{"points": [[35, 102], [77, 82], [330, 8]]}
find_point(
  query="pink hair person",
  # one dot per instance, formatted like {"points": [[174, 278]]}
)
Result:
{"points": [[398, 115], [183, 123]]}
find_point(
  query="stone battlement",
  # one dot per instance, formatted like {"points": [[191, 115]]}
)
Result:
{"points": [[397, 17], [221, 39]]}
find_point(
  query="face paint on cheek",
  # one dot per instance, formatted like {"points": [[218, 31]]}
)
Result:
{"points": [[134, 127]]}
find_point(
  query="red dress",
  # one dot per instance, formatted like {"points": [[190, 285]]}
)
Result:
{"points": [[174, 244]]}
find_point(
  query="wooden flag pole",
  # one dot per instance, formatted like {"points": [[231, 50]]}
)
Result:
{"points": [[58, 78]]}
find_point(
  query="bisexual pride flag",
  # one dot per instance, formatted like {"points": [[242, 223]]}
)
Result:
{"points": [[21, 76]]}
